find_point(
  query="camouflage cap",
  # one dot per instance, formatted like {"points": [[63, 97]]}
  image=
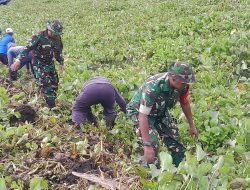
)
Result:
{"points": [[183, 71], [55, 26]]}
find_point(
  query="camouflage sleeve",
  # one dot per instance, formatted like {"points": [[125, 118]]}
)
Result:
{"points": [[58, 51], [32, 44], [147, 99]]}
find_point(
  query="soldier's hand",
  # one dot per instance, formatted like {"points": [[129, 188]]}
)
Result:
{"points": [[149, 154], [193, 132], [15, 66], [61, 67]]}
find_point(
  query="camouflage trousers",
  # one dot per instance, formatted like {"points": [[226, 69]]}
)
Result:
{"points": [[46, 78], [165, 129]]}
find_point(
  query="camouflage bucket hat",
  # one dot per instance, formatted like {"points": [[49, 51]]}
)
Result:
{"points": [[55, 26], [183, 71]]}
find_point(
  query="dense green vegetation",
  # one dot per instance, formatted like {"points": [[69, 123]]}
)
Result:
{"points": [[127, 41]]}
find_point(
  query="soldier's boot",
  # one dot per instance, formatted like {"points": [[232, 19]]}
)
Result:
{"points": [[177, 157], [50, 102], [176, 149]]}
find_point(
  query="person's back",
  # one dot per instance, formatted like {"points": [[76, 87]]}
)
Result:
{"points": [[4, 43], [7, 38], [4, 2], [14, 51], [97, 80], [97, 90]]}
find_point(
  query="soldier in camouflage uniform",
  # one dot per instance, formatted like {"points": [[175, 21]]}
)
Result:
{"points": [[46, 46], [149, 111]]}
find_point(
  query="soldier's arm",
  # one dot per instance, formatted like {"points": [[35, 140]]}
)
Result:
{"points": [[144, 127], [146, 104], [58, 52], [188, 113], [185, 105], [149, 151], [32, 44]]}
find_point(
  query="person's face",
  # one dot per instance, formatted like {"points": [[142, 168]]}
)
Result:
{"points": [[178, 83], [51, 34]]}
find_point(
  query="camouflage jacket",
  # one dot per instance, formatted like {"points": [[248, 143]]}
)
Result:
{"points": [[45, 49], [155, 96]]}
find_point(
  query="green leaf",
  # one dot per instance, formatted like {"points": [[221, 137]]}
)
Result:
{"points": [[244, 66], [240, 149], [21, 130], [92, 187], [219, 164], [18, 96], [214, 116], [2, 184], [247, 155], [149, 185], [47, 138], [82, 146], [166, 162], [204, 183], [1, 127], [165, 177], [38, 183], [154, 171], [203, 169], [141, 171], [23, 138], [191, 185], [225, 169], [53, 119], [4, 98], [200, 153], [10, 131]]}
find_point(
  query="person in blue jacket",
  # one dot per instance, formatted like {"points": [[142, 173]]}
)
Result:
{"points": [[4, 2], [13, 52], [8, 37]]}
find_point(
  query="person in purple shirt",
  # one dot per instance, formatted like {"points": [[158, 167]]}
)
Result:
{"points": [[13, 52], [97, 90], [8, 37]]}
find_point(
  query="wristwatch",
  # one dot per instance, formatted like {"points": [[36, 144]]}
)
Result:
{"points": [[147, 143]]}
